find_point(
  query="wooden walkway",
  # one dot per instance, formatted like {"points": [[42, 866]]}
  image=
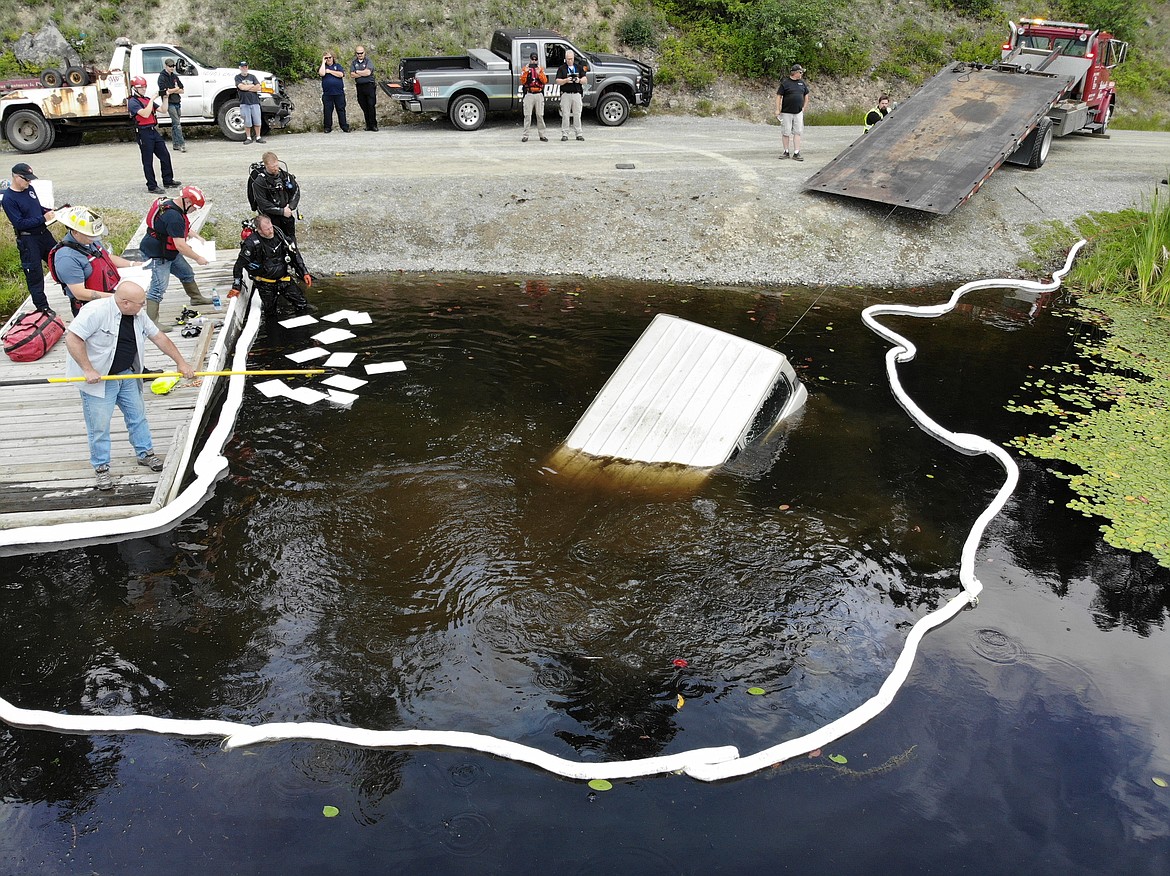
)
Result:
{"points": [[45, 473]]}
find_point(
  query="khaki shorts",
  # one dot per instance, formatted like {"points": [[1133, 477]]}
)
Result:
{"points": [[792, 124]]}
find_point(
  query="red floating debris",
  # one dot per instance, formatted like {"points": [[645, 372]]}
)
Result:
{"points": [[680, 663]]}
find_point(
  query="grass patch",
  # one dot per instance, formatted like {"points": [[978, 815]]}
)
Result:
{"points": [[840, 118], [1130, 253]]}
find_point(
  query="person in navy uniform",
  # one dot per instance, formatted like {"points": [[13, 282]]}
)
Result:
{"points": [[33, 240], [361, 68], [332, 92]]}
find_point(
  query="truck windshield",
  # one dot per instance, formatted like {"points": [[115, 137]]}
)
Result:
{"points": [[1073, 47]]}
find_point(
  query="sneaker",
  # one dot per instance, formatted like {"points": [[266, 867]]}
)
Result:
{"points": [[261, 140], [564, 137], [104, 481], [579, 137], [796, 156], [156, 190], [784, 155], [173, 184], [247, 141], [328, 130], [543, 139], [524, 139], [183, 148], [152, 461], [346, 130], [47, 311]]}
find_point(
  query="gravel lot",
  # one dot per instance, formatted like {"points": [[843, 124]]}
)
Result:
{"points": [[706, 201]]}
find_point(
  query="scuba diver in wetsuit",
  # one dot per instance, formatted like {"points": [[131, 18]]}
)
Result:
{"points": [[275, 265]]}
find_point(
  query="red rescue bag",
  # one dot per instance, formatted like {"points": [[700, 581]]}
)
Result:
{"points": [[31, 336]]}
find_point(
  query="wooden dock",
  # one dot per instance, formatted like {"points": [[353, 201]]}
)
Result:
{"points": [[45, 474]]}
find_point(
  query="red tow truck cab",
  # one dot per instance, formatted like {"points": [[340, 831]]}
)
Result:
{"points": [[1070, 48]]}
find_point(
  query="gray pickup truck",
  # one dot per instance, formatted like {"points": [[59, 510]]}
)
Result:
{"points": [[465, 88]]}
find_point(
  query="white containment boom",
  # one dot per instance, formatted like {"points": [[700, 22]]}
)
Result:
{"points": [[686, 395]]}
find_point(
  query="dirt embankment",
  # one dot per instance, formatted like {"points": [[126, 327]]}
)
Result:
{"points": [[660, 198]]}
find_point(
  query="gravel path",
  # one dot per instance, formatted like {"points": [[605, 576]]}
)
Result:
{"points": [[706, 201]]}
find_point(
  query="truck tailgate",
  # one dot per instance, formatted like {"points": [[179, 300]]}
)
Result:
{"points": [[936, 149]]}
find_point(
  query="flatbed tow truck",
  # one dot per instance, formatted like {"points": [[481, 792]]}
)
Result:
{"points": [[935, 150]]}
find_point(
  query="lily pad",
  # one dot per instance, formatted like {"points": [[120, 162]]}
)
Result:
{"points": [[601, 785], [838, 758], [756, 691], [330, 811], [1161, 782]]}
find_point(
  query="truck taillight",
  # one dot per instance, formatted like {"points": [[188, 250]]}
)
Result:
{"points": [[416, 88], [1007, 47], [1090, 55]]}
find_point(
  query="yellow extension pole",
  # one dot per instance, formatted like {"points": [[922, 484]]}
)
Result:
{"points": [[32, 382]]}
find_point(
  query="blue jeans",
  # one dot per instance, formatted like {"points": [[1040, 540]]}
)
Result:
{"points": [[160, 271], [176, 114], [99, 410]]}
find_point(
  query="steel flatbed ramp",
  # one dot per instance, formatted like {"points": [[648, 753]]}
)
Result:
{"points": [[935, 151]]}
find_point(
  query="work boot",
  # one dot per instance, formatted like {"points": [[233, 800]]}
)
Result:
{"points": [[192, 290], [152, 312]]}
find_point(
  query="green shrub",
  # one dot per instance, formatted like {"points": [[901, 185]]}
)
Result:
{"points": [[1142, 76], [638, 30], [967, 45], [988, 9], [281, 36], [845, 54], [682, 62], [1125, 19]]}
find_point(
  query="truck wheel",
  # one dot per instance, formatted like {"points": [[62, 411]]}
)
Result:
{"points": [[76, 76], [468, 113], [1041, 142], [230, 121], [28, 131], [52, 79], [613, 109]]}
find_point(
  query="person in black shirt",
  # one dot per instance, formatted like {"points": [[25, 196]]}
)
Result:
{"points": [[171, 87], [791, 100], [879, 112], [572, 78], [276, 193]]}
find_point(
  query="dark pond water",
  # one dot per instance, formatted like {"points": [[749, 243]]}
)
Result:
{"points": [[410, 563]]}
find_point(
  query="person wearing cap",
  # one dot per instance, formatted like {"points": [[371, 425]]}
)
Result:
{"points": [[276, 193], [532, 82], [791, 100], [150, 142], [107, 338], [84, 267], [361, 69], [248, 91], [33, 240], [170, 86], [572, 77], [332, 92]]}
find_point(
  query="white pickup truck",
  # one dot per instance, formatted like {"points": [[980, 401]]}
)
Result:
{"points": [[34, 119]]}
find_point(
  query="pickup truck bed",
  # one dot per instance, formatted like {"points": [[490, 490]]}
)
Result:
{"points": [[936, 149]]}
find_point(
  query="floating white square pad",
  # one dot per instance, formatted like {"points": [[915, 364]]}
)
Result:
{"points": [[353, 317], [298, 321], [342, 398], [383, 367], [307, 355], [271, 388], [341, 381], [305, 395], [333, 335], [340, 360]]}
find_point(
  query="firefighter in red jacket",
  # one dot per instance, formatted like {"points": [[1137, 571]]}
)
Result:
{"points": [[85, 268]]}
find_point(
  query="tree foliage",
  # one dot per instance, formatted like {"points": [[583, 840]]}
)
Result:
{"points": [[281, 36]]}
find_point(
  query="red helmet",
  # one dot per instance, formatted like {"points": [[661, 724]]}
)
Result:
{"points": [[194, 195], [138, 82]]}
